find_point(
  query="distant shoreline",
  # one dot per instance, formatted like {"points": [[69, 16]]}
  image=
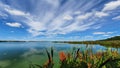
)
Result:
{"points": [[17, 41]]}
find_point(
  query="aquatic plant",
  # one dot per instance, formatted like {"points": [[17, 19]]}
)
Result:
{"points": [[83, 59]]}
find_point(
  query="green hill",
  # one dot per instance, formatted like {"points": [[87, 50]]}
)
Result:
{"points": [[112, 38]]}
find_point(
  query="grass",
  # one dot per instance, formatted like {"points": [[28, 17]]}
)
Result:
{"points": [[82, 59]]}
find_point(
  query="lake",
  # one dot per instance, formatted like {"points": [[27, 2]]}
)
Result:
{"points": [[21, 54]]}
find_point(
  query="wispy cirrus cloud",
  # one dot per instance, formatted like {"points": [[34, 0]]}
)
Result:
{"points": [[103, 33], [52, 18], [67, 17], [84, 16], [111, 5], [14, 24], [15, 12], [101, 14], [116, 18]]}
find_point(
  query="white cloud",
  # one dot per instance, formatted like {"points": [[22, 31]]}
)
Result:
{"points": [[85, 16], [101, 14], [59, 26], [106, 35], [109, 32], [111, 5], [97, 26], [14, 24], [51, 19], [103, 33], [55, 3], [77, 12], [11, 10], [68, 17], [35, 32], [3, 14], [51, 24], [116, 18], [99, 33], [15, 12]]}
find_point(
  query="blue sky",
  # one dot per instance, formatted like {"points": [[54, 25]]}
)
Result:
{"points": [[59, 19]]}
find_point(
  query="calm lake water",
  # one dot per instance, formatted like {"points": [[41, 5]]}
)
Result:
{"points": [[21, 54]]}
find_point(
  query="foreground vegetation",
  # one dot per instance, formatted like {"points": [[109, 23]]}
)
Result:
{"points": [[86, 58], [82, 59]]}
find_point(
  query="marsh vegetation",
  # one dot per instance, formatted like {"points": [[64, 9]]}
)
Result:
{"points": [[82, 59]]}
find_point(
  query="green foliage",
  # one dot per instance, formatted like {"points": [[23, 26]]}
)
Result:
{"points": [[113, 38], [83, 59]]}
